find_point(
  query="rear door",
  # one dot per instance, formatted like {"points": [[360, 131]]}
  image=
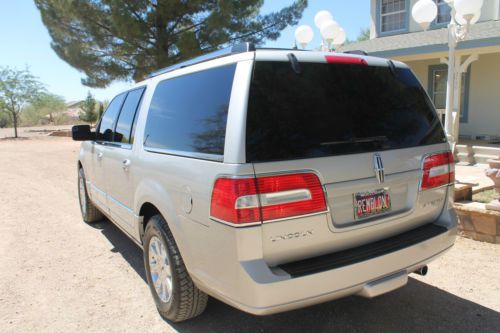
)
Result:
{"points": [[104, 136], [119, 164], [363, 129]]}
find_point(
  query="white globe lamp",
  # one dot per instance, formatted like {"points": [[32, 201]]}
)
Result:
{"points": [[467, 8], [321, 17], [339, 38], [462, 20], [329, 30], [424, 12], [304, 35]]}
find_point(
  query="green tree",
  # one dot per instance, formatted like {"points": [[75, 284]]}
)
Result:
{"points": [[100, 110], [364, 34], [88, 106], [17, 88], [46, 104], [122, 39], [4, 120]]}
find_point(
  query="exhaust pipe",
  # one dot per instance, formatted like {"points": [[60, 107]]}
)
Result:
{"points": [[422, 270]]}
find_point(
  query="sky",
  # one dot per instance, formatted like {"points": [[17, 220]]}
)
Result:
{"points": [[24, 41]]}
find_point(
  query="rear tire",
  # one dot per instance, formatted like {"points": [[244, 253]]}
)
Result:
{"points": [[176, 296], [90, 213]]}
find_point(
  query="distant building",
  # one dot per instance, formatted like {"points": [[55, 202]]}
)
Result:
{"points": [[73, 109]]}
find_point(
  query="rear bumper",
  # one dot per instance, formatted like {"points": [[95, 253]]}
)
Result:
{"points": [[260, 290]]}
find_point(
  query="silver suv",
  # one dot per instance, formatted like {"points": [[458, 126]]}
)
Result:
{"points": [[272, 179]]}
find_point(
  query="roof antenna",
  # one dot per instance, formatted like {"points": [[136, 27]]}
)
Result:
{"points": [[294, 62]]}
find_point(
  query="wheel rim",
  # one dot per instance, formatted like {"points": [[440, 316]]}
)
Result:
{"points": [[160, 270], [83, 197]]}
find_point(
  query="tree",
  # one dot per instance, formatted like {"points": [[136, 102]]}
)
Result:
{"points": [[364, 34], [118, 40], [17, 88], [46, 104], [89, 109], [101, 110], [4, 120]]}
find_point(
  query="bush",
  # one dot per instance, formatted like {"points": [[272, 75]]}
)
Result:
{"points": [[4, 120]]}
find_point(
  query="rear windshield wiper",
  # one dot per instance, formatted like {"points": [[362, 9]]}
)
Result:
{"points": [[294, 63], [368, 139]]}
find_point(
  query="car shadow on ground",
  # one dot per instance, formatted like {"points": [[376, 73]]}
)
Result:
{"points": [[417, 307]]}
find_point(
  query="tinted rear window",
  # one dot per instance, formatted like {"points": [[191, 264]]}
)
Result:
{"points": [[335, 109], [189, 113]]}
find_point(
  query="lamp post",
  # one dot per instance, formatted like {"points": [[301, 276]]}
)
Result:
{"points": [[464, 13], [331, 32]]}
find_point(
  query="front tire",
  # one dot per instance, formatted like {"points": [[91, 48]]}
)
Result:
{"points": [[176, 296], [90, 213]]}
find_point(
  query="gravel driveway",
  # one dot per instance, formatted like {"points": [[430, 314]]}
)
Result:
{"points": [[58, 274]]}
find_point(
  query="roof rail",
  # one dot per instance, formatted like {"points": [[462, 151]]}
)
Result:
{"points": [[237, 48], [358, 52]]}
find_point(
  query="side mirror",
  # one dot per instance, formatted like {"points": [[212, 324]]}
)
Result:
{"points": [[82, 133]]}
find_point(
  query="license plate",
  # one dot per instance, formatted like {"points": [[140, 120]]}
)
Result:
{"points": [[371, 203]]}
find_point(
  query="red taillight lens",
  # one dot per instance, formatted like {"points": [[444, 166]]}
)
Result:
{"points": [[226, 192], [290, 195], [345, 60], [439, 170], [247, 200]]}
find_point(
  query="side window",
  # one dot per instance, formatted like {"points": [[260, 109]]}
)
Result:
{"points": [[105, 131], [127, 115], [189, 113]]}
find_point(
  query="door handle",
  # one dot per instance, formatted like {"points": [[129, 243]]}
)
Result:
{"points": [[99, 155], [126, 164]]}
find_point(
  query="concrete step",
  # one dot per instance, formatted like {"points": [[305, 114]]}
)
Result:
{"points": [[465, 158], [483, 158], [482, 150], [463, 148]]}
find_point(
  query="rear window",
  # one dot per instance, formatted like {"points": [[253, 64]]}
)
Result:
{"points": [[335, 109], [188, 114]]}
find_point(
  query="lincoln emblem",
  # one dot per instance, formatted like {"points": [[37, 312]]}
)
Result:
{"points": [[378, 167]]}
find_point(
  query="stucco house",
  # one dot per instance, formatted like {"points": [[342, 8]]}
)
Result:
{"points": [[395, 35], [73, 109]]}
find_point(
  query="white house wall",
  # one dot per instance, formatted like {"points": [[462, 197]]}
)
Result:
{"points": [[490, 11], [484, 96]]}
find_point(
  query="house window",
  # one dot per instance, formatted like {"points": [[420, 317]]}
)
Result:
{"points": [[438, 77], [393, 15], [444, 12]]}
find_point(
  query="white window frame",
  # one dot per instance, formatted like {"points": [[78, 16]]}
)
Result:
{"points": [[382, 15]]}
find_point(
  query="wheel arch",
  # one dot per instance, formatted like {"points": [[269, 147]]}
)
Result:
{"points": [[147, 211], [149, 208]]}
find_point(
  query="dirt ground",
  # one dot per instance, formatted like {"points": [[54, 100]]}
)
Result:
{"points": [[31, 132], [58, 274]]}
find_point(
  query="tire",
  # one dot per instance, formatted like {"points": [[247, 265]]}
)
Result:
{"points": [[90, 213], [185, 300]]}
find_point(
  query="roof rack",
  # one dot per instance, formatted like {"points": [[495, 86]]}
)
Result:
{"points": [[238, 48]]}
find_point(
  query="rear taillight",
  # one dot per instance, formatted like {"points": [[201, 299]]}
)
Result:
{"points": [[252, 200], [439, 170]]}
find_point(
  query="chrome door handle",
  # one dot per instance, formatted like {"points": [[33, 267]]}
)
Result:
{"points": [[99, 155], [125, 164]]}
